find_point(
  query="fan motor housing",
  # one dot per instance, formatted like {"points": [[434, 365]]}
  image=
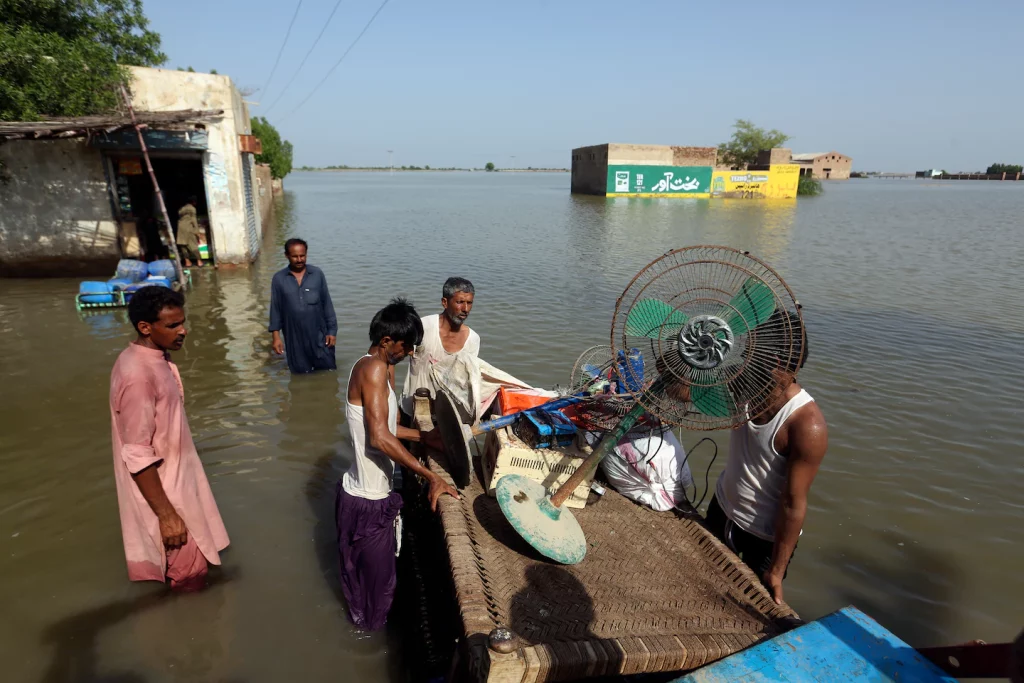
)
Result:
{"points": [[705, 341]]}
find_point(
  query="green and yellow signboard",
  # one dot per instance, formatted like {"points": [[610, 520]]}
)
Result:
{"points": [[659, 181]]}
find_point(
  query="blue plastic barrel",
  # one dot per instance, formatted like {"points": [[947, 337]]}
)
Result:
{"points": [[95, 293], [162, 268], [155, 280], [118, 284], [131, 270]]}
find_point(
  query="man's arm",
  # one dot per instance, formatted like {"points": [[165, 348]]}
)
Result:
{"points": [[330, 317], [374, 394], [136, 420], [808, 441], [276, 322], [172, 528]]}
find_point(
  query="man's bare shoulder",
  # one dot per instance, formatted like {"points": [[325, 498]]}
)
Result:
{"points": [[807, 430], [369, 369]]}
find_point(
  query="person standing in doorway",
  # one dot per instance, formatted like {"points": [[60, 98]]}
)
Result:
{"points": [[301, 308], [445, 334], [188, 233], [366, 507], [170, 523]]}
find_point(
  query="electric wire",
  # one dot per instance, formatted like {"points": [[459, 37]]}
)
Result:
{"points": [[340, 60], [308, 53], [280, 52]]}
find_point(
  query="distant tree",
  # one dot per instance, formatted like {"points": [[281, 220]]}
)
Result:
{"points": [[489, 166], [276, 152], [213, 71], [1005, 168], [60, 58], [747, 140], [427, 167]]}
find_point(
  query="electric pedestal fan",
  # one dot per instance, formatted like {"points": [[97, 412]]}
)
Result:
{"points": [[706, 330]]}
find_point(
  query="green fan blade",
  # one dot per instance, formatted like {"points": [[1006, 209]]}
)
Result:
{"points": [[713, 401], [753, 305], [651, 318]]}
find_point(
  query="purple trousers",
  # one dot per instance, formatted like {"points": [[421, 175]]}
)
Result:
{"points": [[366, 545]]}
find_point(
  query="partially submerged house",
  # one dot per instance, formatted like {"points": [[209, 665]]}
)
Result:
{"points": [[76, 196]]}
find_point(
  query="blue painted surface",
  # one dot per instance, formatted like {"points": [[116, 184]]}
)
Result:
{"points": [[155, 139], [846, 645]]}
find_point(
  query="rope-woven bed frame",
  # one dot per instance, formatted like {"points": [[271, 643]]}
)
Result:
{"points": [[655, 593]]}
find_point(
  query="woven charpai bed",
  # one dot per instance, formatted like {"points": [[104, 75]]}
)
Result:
{"points": [[656, 592]]}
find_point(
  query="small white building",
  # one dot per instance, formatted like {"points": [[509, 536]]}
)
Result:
{"points": [[75, 196]]}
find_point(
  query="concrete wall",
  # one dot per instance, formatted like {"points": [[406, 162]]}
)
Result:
{"points": [[838, 164], [590, 164], [590, 169], [164, 89], [265, 195], [56, 216], [774, 157]]}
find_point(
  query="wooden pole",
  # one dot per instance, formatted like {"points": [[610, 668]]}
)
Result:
{"points": [[179, 273]]}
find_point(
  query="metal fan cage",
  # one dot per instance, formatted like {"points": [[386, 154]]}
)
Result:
{"points": [[714, 326], [603, 411]]}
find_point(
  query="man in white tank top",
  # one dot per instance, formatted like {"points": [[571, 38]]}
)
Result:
{"points": [[445, 334], [366, 507], [760, 499]]}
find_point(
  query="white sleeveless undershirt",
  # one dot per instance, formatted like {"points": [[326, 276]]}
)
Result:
{"points": [[372, 471], [754, 478]]}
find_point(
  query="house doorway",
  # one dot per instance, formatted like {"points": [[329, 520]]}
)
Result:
{"points": [[180, 176]]}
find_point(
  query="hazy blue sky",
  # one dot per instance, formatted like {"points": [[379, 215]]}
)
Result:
{"points": [[897, 85]]}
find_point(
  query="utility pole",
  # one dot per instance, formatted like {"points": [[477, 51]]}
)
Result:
{"points": [[390, 162]]}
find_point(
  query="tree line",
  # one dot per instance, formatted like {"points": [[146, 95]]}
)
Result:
{"points": [[69, 59]]}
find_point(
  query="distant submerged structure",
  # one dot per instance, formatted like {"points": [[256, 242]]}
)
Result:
{"points": [[620, 170]]}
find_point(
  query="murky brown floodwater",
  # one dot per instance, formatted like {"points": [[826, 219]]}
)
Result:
{"points": [[915, 308]]}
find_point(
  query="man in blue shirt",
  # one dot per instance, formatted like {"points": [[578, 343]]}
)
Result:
{"points": [[301, 308]]}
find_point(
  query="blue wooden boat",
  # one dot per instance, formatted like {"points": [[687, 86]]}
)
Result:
{"points": [[847, 645]]}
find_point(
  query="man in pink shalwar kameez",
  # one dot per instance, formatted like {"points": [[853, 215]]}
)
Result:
{"points": [[169, 520]]}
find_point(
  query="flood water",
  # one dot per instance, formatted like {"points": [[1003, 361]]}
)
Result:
{"points": [[915, 312]]}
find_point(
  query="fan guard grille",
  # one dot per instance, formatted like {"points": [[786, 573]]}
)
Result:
{"points": [[708, 320]]}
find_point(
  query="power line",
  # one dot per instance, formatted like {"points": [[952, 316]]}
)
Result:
{"points": [[338, 63], [280, 52], [303, 62]]}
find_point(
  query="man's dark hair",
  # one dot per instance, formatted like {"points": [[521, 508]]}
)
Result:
{"points": [[789, 338], [294, 241], [146, 304], [456, 284], [193, 200], [399, 321]]}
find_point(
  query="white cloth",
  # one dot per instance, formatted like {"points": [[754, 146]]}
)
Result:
{"points": [[751, 486], [650, 470], [474, 384], [372, 471], [429, 353]]}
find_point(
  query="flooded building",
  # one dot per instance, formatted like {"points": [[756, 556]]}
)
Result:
{"points": [[76, 196], [657, 170], [616, 170], [824, 165]]}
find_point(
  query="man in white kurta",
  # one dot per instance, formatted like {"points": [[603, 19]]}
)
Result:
{"points": [[445, 337]]}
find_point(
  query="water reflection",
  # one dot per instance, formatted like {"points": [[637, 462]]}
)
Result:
{"points": [[915, 315]]}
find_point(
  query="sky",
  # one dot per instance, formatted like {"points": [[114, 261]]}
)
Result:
{"points": [[901, 85]]}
